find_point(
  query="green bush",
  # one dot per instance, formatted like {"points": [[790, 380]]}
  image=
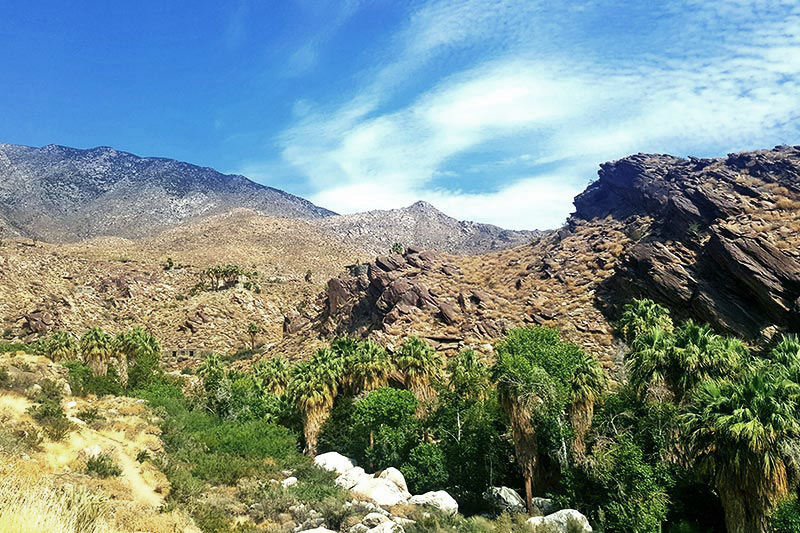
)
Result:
{"points": [[786, 518], [425, 468], [83, 382], [102, 465]]}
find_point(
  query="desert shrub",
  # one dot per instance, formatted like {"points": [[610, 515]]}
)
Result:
{"points": [[143, 455], [90, 415], [317, 484], [83, 382], [49, 413], [5, 378], [102, 465], [8, 347], [265, 500]]}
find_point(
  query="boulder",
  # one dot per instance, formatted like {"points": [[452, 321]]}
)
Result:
{"points": [[439, 499], [352, 477], [504, 499], [289, 482], [318, 530], [545, 505], [334, 462], [387, 527], [92, 451], [563, 521], [396, 477], [379, 491], [374, 519]]}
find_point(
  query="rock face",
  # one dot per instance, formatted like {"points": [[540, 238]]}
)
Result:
{"points": [[423, 226], [717, 240], [56, 193], [504, 499], [722, 244]]}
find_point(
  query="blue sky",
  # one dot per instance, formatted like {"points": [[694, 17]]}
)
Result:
{"points": [[493, 110]]}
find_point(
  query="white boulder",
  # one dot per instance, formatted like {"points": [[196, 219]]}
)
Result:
{"points": [[335, 462], [387, 527], [92, 452], [439, 499], [289, 482], [563, 521], [396, 477], [318, 530], [379, 491], [352, 477]]}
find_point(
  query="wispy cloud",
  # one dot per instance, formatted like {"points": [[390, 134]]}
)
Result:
{"points": [[728, 79]]}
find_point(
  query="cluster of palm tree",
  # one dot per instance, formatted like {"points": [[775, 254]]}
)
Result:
{"points": [[739, 422], [98, 349], [541, 377]]}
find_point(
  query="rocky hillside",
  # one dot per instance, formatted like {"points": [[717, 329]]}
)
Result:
{"points": [[714, 239], [56, 193], [114, 283], [423, 226]]}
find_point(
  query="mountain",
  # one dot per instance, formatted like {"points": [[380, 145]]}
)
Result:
{"points": [[57, 194], [423, 226], [717, 240]]}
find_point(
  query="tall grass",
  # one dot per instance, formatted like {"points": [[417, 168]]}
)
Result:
{"points": [[36, 505]]}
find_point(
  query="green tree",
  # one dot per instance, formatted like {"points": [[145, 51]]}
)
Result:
{"points": [[588, 384], [96, 350], [533, 371], [742, 434], [313, 387], [469, 375], [140, 352], [273, 375], [369, 367], [420, 365], [253, 331], [59, 346], [642, 315]]}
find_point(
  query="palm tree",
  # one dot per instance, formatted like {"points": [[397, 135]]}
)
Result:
{"points": [[522, 389], [587, 386], [420, 365], [138, 352], [741, 434], [211, 371], [96, 350], [698, 354], [369, 367], [642, 315], [469, 375], [254, 330], [342, 355], [60, 346], [313, 388], [648, 363], [273, 375]]}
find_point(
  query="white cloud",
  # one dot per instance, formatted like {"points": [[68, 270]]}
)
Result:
{"points": [[567, 109]]}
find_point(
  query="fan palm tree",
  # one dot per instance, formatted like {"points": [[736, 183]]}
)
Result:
{"points": [[253, 331], [469, 375], [648, 363], [369, 367], [420, 365], [588, 384], [342, 355], [211, 371], [642, 315], [138, 352], [96, 350], [313, 387], [273, 375], [60, 346], [523, 388], [741, 435]]}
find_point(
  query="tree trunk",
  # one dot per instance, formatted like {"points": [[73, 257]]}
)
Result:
{"points": [[742, 512], [529, 494]]}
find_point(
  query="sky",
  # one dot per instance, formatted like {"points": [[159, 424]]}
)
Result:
{"points": [[498, 111]]}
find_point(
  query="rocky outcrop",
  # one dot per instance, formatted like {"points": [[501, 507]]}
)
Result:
{"points": [[386, 488], [721, 242]]}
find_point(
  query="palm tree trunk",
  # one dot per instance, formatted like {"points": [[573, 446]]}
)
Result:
{"points": [[529, 494], [742, 512]]}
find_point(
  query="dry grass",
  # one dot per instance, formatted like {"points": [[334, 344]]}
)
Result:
{"points": [[35, 505]]}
